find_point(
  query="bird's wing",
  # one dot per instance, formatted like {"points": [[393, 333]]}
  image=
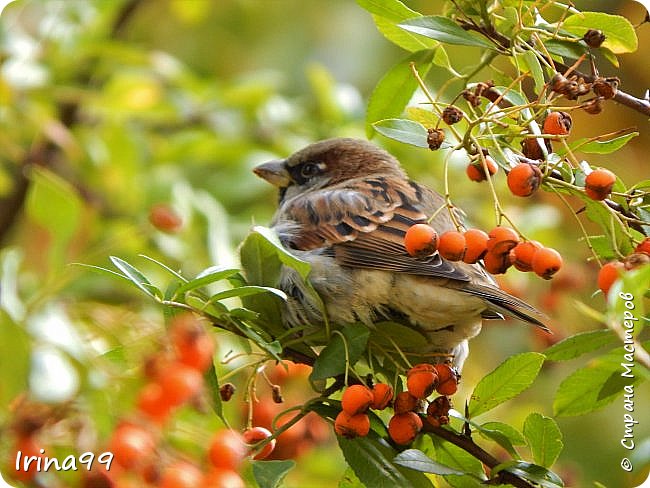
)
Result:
{"points": [[364, 222]]}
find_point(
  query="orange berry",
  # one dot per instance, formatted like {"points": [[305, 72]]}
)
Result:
{"points": [[257, 434], [227, 449], [643, 246], [131, 445], [452, 245], [28, 446], [220, 478], [405, 402], [523, 253], [476, 171], [546, 262], [165, 219], [447, 379], [497, 263], [351, 426], [180, 474], [557, 123], [421, 240], [404, 427], [524, 179], [501, 240], [421, 380], [356, 399], [599, 184], [180, 384], [608, 274], [382, 394], [192, 344], [153, 404], [476, 241]]}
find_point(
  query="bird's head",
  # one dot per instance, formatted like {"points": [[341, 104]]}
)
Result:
{"points": [[327, 163]]}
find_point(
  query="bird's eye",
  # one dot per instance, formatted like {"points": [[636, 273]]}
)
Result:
{"points": [[309, 169]]}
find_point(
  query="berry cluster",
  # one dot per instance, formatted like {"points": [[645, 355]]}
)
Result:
{"points": [[499, 250], [175, 379], [613, 270], [405, 424]]}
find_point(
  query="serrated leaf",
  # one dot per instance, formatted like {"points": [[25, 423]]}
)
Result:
{"points": [[531, 472], [602, 147], [371, 458], [444, 30], [591, 387], [418, 461], [544, 439], [403, 130], [331, 360], [579, 344], [269, 474], [620, 36], [136, 277], [207, 276], [508, 380], [395, 89]]}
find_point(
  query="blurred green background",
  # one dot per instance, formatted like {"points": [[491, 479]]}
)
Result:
{"points": [[101, 119]]}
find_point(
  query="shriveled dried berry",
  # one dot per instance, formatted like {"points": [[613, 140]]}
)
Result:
{"points": [[594, 38], [452, 115], [435, 138], [226, 391], [606, 87], [405, 402], [594, 106]]}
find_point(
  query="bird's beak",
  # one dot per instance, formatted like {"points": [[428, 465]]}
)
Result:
{"points": [[275, 172]]}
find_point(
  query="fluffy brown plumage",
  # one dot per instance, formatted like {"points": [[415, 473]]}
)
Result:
{"points": [[345, 206]]}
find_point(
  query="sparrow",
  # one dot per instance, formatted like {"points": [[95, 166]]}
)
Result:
{"points": [[344, 207]]}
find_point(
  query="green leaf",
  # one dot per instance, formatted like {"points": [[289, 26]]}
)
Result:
{"points": [[136, 277], [418, 461], [508, 380], [531, 63], [302, 267], [395, 89], [628, 300], [371, 458], [244, 291], [331, 360], [531, 472], [503, 434], [597, 384], [214, 396], [15, 352], [207, 276], [579, 344], [544, 439], [387, 14], [601, 147], [389, 333], [403, 130], [269, 474], [444, 30], [620, 36], [457, 458], [55, 205], [565, 49], [350, 480]]}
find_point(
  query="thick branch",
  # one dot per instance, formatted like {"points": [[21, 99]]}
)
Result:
{"points": [[468, 445]]}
